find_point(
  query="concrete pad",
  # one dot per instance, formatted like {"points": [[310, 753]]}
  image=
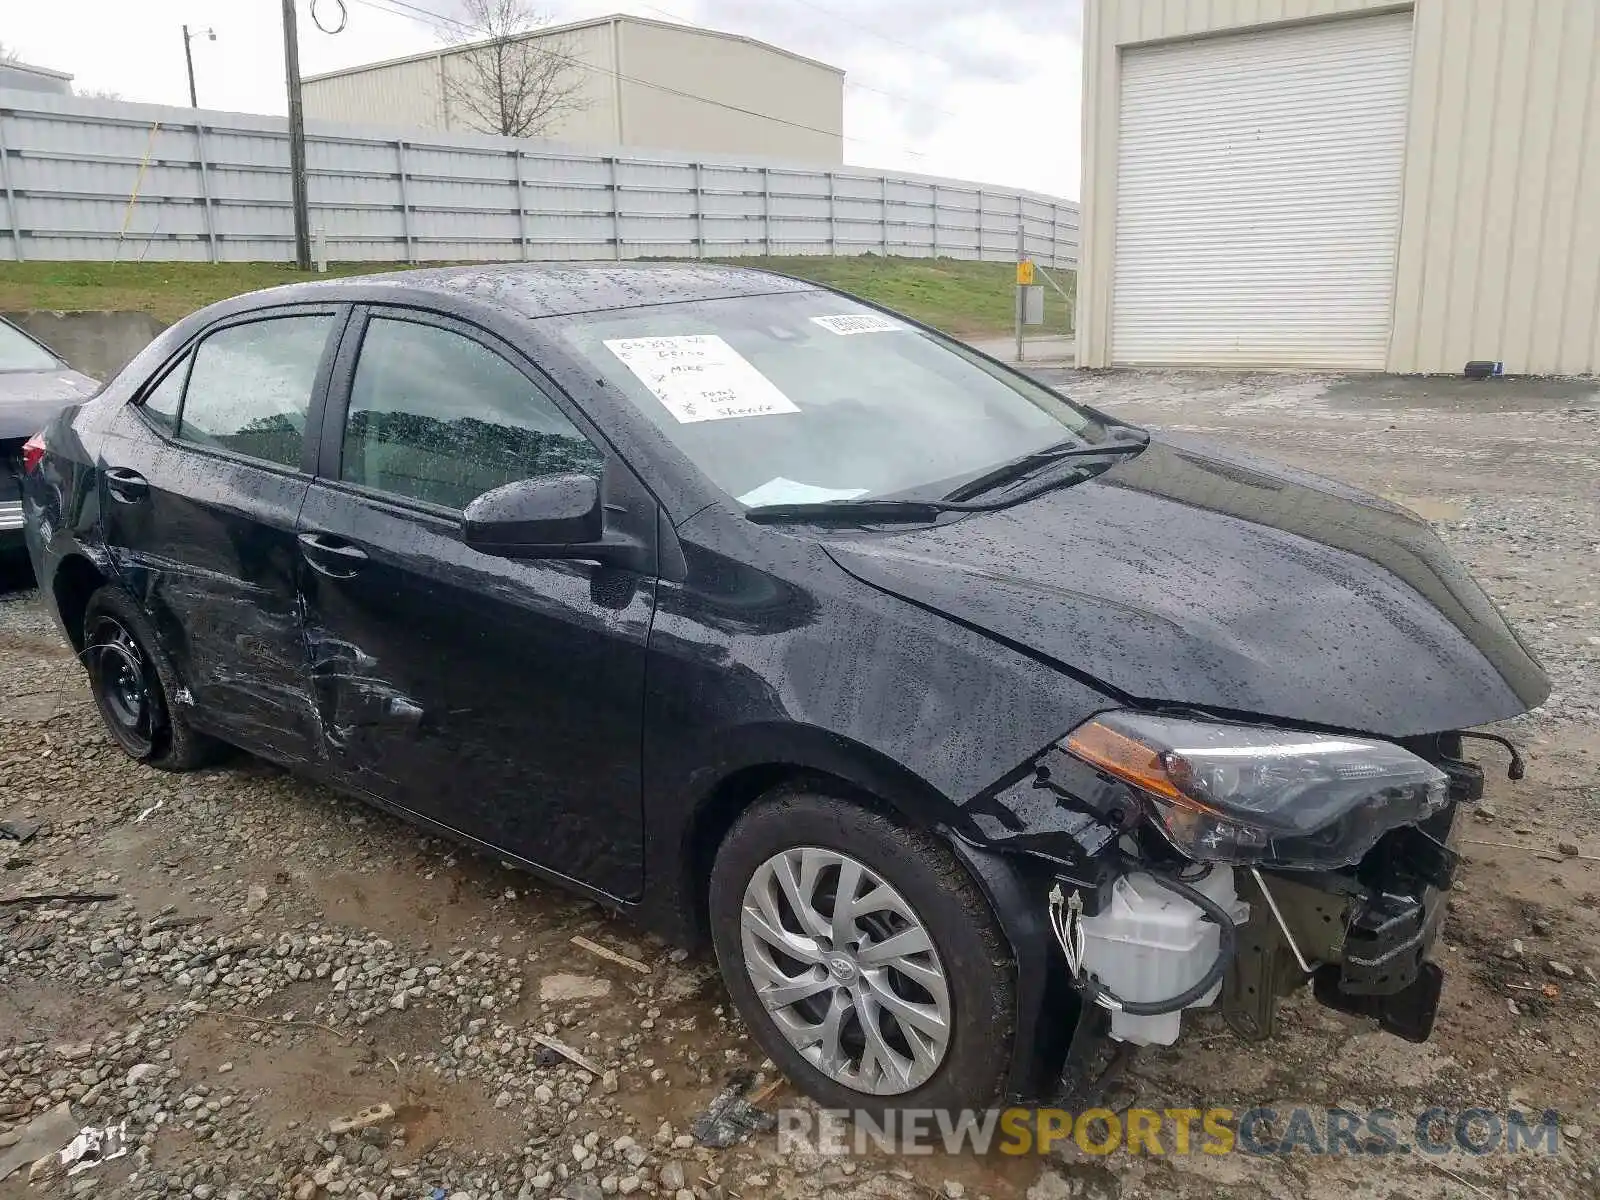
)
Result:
{"points": [[1038, 350]]}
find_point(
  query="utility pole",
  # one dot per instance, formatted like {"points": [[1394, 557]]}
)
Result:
{"points": [[297, 139], [188, 58]]}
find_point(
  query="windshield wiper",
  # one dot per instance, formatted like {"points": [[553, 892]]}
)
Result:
{"points": [[892, 510], [862, 511], [1027, 464], [859, 511]]}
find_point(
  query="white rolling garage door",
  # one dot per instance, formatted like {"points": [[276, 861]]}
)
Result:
{"points": [[1258, 196]]}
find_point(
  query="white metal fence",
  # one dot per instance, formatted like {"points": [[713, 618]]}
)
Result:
{"points": [[91, 179]]}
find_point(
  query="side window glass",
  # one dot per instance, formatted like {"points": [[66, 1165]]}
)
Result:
{"points": [[250, 387], [161, 403], [438, 417]]}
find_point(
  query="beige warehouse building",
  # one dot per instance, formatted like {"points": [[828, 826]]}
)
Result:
{"points": [[1342, 183], [638, 82]]}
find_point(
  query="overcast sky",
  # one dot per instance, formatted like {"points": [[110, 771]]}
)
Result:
{"points": [[985, 91]]}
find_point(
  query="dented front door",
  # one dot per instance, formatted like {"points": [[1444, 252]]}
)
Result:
{"points": [[500, 698]]}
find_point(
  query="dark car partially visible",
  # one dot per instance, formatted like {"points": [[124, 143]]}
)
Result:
{"points": [[35, 385]]}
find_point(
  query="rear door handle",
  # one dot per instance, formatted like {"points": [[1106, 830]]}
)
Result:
{"points": [[331, 556], [130, 487]]}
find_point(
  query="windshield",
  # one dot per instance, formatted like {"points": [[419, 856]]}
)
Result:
{"points": [[807, 396], [18, 352]]}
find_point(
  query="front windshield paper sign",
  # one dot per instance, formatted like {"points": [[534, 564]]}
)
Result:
{"points": [[858, 323], [700, 377], [787, 491]]}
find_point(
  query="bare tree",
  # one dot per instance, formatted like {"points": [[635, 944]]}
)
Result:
{"points": [[506, 79], [9, 54]]}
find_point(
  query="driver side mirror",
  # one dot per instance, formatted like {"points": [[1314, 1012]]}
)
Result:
{"points": [[556, 516]]}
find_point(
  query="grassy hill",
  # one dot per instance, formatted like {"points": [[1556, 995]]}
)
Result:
{"points": [[967, 299]]}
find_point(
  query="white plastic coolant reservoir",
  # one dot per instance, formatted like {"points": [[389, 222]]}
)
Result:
{"points": [[1151, 944]]}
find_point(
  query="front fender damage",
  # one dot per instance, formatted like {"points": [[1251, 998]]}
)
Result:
{"points": [[1056, 845], [1018, 840]]}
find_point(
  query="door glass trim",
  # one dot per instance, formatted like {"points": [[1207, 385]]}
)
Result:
{"points": [[331, 462], [183, 359], [239, 318], [340, 388], [408, 504], [184, 363]]}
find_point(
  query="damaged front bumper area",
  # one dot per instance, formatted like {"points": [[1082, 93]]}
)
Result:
{"points": [[1137, 925], [1362, 936]]}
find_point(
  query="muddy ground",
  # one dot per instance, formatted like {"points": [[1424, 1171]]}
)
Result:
{"points": [[277, 957]]}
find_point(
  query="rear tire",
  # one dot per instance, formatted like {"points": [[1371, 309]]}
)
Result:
{"points": [[852, 1020], [134, 686]]}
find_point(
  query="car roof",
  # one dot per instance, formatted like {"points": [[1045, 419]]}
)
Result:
{"points": [[545, 289], [14, 327]]}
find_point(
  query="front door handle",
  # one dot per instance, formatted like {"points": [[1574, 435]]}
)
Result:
{"points": [[331, 556], [130, 487]]}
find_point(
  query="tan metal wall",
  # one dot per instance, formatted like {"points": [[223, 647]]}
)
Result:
{"points": [[405, 95], [591, 49], [801, 102], [1500, 239], [1499, 251], [644, 84], [410, 93]]}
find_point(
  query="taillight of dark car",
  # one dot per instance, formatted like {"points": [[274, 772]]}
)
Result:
{"points": [[32, 453]]}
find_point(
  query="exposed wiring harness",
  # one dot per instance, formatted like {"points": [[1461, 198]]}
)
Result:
{"points": [[1518, 767], [1066, 918]]}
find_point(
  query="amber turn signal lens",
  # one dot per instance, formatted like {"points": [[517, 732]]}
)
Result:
{"points": [[1129, 760]]}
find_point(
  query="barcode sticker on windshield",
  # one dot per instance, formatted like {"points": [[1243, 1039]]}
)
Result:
{"points": [[858, 323], [700, 377]]}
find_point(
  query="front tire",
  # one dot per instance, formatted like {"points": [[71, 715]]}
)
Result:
{"points": [[134, 685], [862, 956]]}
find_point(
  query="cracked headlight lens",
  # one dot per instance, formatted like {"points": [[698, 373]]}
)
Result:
{"points": [[1230, 793]]}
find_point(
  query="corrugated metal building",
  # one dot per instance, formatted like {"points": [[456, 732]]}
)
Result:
{"points": [[641, 83], [22, 77], [1342, 183]]}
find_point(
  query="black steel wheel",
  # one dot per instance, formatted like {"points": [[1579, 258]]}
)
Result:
{"points": [[134, 684], [125, 686]]}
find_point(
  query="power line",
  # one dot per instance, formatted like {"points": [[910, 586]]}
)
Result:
{"points": [[660, 87], [877, 33], [851, 83], [904, 99]]}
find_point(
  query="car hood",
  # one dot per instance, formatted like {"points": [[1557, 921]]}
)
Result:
{"points": [[1203, 576], [29, 399]]}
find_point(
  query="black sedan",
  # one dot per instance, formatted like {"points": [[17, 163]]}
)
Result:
{"points": [[976, 729], [34, 386]]}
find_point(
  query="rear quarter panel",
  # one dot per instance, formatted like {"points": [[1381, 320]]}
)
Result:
{"points": [[63, 501], [62, 498]]}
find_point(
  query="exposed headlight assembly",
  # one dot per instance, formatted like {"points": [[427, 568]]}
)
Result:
{"points": [[1227, 793]]}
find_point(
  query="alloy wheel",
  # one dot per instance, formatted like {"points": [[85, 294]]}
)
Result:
{"points": [[846, 970]]}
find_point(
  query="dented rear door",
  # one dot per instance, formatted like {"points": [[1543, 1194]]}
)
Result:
{"points": [[201, 482]]}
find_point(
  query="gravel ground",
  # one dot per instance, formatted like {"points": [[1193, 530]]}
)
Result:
{"points": [[277, 958]]}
